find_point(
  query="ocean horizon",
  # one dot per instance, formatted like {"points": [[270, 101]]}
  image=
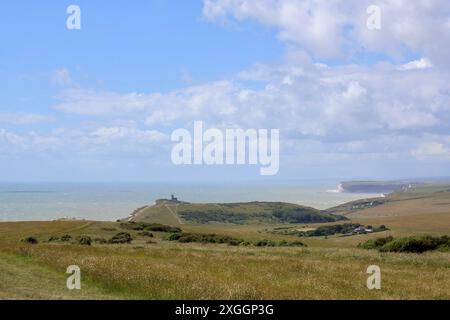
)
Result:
{"points": [[110, 201]]}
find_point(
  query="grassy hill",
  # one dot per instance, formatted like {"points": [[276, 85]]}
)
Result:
{"points": [[177, 213]]}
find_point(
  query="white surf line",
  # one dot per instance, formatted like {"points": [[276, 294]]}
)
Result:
{"points": [[135, 213], [174, 213]]}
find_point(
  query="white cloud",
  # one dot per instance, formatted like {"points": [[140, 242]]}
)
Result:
{"points": [[326, 113], [423, 63], [23, 118], [303, 99], [332, 28]]}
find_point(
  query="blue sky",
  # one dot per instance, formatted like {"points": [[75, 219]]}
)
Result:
{"points": [[100, 103], [123, 46]]}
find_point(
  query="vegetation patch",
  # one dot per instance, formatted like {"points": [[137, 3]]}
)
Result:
{"points": [[376, 243], [214, 238], [304, 215], [217, 216], [30, 240], [143, 226], [248, 213], [84, 240], [415, 244], [64, 238], [342, 229], [121, 237]]}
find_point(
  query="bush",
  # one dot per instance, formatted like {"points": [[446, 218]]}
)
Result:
{"points": [[66, 238], [84, 240], [173, 236], [265, 243], [234, 242], [415, 244], [375, 243], [202, 238], [142, 226], [30, 240], [121, 237], [214, 238], [53, 238]]}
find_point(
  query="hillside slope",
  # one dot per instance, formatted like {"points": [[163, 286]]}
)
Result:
{"points": [[177, 213]]}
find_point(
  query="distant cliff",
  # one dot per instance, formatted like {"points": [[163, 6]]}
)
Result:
{"points": [[374, 186]]}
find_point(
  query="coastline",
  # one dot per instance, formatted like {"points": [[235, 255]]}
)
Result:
{"points": [[109, 202]]}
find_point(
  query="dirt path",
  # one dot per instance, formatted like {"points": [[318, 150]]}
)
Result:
{"points": [[175, 214]]}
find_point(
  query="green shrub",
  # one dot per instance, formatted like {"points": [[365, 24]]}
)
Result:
{"points": [[234, 242], [53, 238], [84, 240], [121, 237], [173, 236], [414, 244], [375, 243], [265, 243], [66, 238], [142, 226], [30, 240], [214, 238]]}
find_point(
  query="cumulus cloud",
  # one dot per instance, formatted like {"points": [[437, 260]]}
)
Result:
{"points": [[306, 99], [326, 113], [423, 63], [338, 27]]}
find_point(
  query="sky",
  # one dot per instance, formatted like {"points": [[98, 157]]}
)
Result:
{"points": [[100, 103]]}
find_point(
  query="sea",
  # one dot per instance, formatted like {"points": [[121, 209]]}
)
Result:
{"points": [[110, 201]]}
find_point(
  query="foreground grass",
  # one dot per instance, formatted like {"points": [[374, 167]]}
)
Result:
{"points": [[219, 272], [22, 278], [168, 270]]}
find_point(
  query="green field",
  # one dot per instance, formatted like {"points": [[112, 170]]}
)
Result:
{"points": [[330, 267]]}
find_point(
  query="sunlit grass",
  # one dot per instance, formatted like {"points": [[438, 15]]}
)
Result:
{"points": [[170, 270]]}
